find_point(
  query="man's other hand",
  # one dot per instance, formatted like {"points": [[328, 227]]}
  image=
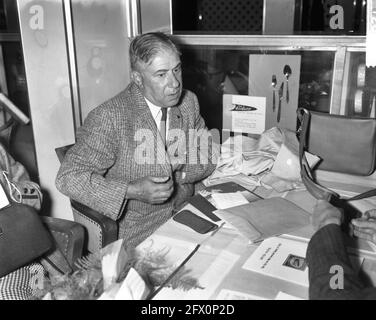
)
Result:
{"points": [[324, 213], [153, 190], [365, 227]]}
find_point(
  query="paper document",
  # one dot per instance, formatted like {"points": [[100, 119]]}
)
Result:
{"points": [[226, 294], [133, 287], [285, 259], [284, 296], [4, 201], [242, 113], [280, 258], [265, 218], [228, 200]]}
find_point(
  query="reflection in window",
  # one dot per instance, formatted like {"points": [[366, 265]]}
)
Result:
{"points": [[359, 88], [248, 17], [9, 16], [212, 72]]}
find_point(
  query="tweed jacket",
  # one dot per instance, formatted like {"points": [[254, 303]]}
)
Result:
{"points": [[119, 142], [326, 249]]}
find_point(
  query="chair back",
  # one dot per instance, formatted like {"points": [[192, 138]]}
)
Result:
{"points": [[100, 230], [61, 151]]}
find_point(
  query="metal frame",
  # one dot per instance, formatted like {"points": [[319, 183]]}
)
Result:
{"points": [[340, 44], [71, 52], [133, 17], [260, 42]]}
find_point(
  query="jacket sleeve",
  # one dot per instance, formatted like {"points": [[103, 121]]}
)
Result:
{"points": [[82, 175], [325, 250], [203, 151]]}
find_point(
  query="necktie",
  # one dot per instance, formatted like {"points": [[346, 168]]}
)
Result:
{"points": [[162, 127]]}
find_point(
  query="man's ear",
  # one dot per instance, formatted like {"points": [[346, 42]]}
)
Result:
{"points": [[136, 77]]}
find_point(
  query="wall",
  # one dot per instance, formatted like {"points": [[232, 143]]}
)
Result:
{"points": [[100, 35], [101, 61], [47, 76]]}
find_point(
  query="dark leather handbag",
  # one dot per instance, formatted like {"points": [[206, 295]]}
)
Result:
{"points": [[339, 152], [344, 144], [23, 237]]}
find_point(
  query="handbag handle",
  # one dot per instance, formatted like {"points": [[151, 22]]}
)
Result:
{"points": [[315, 189]]}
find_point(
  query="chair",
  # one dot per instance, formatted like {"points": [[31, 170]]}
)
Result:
{"points": [[68, 237], [67, 245], [100, 230]]}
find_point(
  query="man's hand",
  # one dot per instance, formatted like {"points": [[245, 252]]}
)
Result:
{"points": [[365, 227], [324, 213], [153, 190]]}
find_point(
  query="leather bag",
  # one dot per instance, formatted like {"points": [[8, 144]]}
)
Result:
{"points": [[344, 144], [23, 237], [331, 129]]}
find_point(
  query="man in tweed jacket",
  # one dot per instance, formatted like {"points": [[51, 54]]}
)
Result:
{"points": [[120, 165]]}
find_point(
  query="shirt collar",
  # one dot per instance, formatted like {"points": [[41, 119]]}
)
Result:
{"points": [[153, 109]]}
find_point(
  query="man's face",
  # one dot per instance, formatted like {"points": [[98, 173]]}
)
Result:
{"points": [[160, 80]]}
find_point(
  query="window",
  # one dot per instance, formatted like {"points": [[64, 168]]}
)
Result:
{"points": [[292, 17], [213, 71]]}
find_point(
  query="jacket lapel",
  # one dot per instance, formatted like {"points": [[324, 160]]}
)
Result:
{"points": [[144, 120]]}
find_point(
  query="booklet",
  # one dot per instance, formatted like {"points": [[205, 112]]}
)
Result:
{"points": [[280, 258], [285, 259], [265, 218]]}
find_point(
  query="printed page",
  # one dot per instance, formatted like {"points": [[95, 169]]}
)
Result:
{"points": [[4, 202], [280, 258], [228, 200]]}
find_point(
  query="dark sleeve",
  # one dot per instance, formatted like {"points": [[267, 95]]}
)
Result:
{"points": [[327, 250]]}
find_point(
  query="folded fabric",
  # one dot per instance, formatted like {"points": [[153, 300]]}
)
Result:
{"points": [[265, 218]]}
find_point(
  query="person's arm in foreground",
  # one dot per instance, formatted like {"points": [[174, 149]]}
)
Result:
{"points": [[331, 275]]}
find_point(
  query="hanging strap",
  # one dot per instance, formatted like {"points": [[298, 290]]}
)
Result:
{"points": [[317, 190]]}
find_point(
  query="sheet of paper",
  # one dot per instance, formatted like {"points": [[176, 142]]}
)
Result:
{"points": [[3, 198], [244, 114], [280, 258], [209, 280], [133, 287], [284, 296], [176, 250], [228, 200], [262, 68], [226, 294]]}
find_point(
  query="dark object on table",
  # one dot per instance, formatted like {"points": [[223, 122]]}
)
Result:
{"points": [[194, 222]]}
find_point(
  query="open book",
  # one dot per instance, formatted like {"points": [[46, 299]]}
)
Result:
{"points": [[265, 218]]}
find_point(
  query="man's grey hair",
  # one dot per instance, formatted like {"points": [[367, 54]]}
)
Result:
{"points": [[145, 46]]}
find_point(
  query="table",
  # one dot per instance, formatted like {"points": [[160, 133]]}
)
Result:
{"points": [[216, 260]]}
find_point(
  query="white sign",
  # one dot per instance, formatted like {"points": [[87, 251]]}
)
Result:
{"points": [[244, 114]]}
